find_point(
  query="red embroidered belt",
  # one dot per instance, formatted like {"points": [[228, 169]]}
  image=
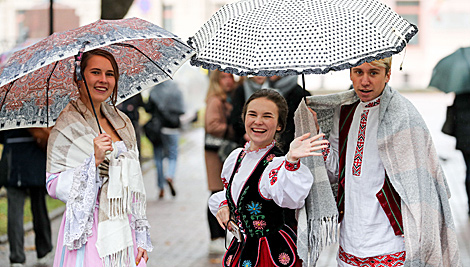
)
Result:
{"points": [[389, 260]]}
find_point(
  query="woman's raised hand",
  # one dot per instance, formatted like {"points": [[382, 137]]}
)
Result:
{"points": [[303, 146], [102, 143]]}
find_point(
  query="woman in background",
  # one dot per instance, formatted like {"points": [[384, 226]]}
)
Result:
{"points": [[218, 110]]}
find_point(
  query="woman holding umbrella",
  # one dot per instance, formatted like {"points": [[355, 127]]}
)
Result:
{"points": [[261, 184], [97, 174]]}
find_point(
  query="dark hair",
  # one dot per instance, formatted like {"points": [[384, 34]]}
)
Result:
{"points": [[103, 53], [277, 99]]}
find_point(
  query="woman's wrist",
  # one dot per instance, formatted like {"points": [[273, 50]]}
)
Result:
{"points": [[291, 159]]}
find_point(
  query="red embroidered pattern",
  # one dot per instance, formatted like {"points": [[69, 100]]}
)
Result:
{"points": [[373, 104], [325, 152], [357, 164], [224, 181], [273, 174], [389, 260], [292, 166], [223, 203]]}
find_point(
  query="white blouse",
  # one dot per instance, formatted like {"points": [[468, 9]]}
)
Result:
{"points": [[365, 230], [287, 188]]}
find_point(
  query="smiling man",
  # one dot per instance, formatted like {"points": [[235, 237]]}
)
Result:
{"points": [[392, 195]]}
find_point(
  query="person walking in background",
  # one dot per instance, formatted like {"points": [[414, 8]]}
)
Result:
{"points": [[392, 195], [260, 183], [130, 107], [462, 134], [25, 154], [104, 222], [167, 104], [216, 123]]}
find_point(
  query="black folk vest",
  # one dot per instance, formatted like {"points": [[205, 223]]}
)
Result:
{"points": [[259, 218]]}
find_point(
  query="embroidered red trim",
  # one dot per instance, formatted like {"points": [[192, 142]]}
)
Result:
{"points": [[389, 260], [292, 166], [223, 203]]}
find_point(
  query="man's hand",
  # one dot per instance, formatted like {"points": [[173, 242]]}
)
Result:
{"points": [[315, 119]]}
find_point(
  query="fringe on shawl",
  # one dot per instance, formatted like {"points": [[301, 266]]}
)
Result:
{"points": [[130, 203], [124, 257], [323, 232]]}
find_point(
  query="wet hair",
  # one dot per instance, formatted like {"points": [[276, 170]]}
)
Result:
{"points": [[277, 99], [103, 53], [384, 63]]}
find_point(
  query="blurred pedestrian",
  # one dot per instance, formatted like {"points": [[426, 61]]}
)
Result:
{"points": [[25, 154], [260, 183], [97, 175], [216, 123], [167, 104], [130, 107], [392, 195], [461, 108]]}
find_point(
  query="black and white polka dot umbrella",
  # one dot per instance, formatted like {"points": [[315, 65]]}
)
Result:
{"points": [[287, 37]]}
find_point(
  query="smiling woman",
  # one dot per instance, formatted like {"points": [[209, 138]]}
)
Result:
{"points": [[263, 186], [80, 168]]}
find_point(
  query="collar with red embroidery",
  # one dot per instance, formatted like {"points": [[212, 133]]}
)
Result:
{"points": [[247, 147], [373, 103]]}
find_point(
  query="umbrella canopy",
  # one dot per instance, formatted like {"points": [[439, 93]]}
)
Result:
{"points": [[37, 82], [452, 73], [282, 37]]}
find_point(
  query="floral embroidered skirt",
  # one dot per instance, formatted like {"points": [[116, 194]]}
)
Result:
{"points": [[277, 249]]}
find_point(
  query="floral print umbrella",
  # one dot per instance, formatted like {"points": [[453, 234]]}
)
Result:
{"points": [[37, 82], [290, 37]]}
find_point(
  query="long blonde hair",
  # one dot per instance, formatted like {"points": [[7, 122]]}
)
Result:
{"points": [[214, 86]]}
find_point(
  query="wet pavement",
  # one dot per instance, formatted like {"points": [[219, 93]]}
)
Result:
{"points": [[179, 225]]}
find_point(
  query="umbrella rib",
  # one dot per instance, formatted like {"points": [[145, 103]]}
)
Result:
{"points": [[6, 93], [47, 93], [151, 60], [182, 43]]}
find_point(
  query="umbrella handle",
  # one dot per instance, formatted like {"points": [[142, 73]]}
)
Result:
{"points": [[303, 87], [92, 106]]}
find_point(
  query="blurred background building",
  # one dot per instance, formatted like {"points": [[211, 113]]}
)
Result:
{"points": [[444, 26]]}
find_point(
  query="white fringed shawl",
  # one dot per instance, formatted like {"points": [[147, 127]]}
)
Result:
{"points": [[70, 147], [411, 162]]}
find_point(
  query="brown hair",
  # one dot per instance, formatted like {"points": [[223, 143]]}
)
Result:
{"points": [[103, 53], [277, 99]]}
